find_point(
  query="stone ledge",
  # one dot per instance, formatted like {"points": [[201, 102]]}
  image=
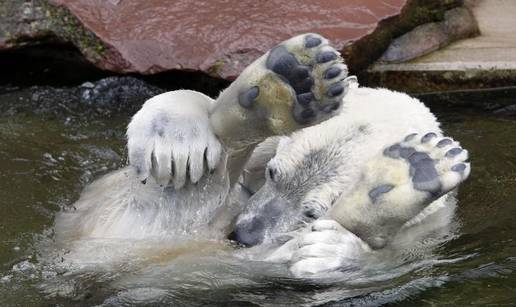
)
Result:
{"points": [[443, 77], [486, 61], [444, 66]]}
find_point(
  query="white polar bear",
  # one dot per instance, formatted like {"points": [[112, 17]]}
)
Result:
{"points": [[355, 179], [298, 83]]}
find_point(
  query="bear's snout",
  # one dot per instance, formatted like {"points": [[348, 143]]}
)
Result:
{"points": [[251, 231]]}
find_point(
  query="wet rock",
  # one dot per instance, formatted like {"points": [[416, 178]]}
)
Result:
{"points": [[36, 22], [495, 100], [216, 37], [458, 23], [422, 40], [507, 111], [116, 93], [106, 97], [6, 279], [24, 267], [428, 77], [483, 62]]}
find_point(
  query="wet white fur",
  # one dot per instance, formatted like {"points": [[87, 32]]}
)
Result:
{"points": [[371, 120], [119, 206], [182, 116]]}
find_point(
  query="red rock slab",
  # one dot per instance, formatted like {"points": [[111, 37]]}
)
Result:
{"points": [[219, 37]]}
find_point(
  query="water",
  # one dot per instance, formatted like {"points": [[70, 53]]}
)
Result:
{"points": [[49, 154]]}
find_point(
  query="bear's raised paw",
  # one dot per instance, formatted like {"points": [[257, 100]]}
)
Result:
{"points": [[399, 183]]}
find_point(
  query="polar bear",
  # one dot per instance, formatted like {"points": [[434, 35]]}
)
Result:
{"points": [[177, 135], [347, 184]]}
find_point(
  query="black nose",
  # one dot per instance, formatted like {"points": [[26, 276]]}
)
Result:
{"points": [[249, 233]]}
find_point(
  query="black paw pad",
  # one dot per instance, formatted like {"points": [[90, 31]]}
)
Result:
{"points": [[418, 156], [302, 86], [397, 151], [335, 90], [332, 72], [376, 192], [285, 64], [425, 177], [459, 168], [301, 72], [326, 56], [427, 137], [406, 152], [312, 41], [444, 143], [246, 98], [453, 152], [305, 98], [281, 61]]}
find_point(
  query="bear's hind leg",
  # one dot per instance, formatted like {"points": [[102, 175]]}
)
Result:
{"points": [[298, 83], [399, 183], [301, 79]]}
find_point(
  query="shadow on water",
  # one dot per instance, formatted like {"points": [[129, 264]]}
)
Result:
{"points": [[50, 148]]}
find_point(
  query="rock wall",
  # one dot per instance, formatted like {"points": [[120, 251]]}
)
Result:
{"points": [[218, 37]]}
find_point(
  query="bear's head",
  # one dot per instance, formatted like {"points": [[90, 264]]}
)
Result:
{"points": [[302, 181]]}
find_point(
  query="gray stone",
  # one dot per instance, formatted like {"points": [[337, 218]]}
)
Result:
{"points": [[458, 23]]}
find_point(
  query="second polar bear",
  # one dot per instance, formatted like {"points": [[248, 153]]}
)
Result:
{"points": [[355, 180]]}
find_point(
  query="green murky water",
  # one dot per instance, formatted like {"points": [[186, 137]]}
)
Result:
{"points": [[46, 160]]}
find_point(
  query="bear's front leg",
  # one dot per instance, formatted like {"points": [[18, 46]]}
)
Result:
{"points": [[170, 138]]}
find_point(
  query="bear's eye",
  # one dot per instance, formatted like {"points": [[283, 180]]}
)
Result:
{"points": [[311, 213]]}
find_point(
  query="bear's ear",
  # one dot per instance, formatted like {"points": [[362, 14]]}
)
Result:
{"points": [[272, 173]]}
